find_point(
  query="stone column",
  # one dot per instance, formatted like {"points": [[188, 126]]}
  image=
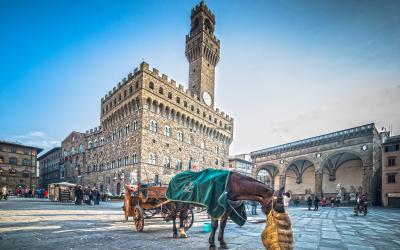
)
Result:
{"points": [[318, 184], [282, 179], [366, 180]]}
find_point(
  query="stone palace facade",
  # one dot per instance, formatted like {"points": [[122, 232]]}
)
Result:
{"points": [[152, 128]]}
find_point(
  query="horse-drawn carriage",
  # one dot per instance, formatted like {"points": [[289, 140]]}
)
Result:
{"points": [[143, 202]]}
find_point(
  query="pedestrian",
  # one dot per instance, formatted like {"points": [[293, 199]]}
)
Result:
{"points": [[46, 193], [332, 202], [337, 203], [309, 202], [316, 203], [78, 195], [253, 207], [323, 202], [286, 199], [97, 197]]}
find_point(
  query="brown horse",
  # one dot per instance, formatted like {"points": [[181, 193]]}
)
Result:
{"points": [[240, 188]]}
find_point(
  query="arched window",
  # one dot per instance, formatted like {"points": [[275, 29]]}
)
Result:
{"points": [[134, 158], [126, 129], [190, 139], [191, 107], [178, 100], [153, 126], [126, 160], [62, 172], [151, 85], [96, 142], [160, 90], [185, 104], [135, 125], [72, 151], [216, 149], [179, 136], [167, 162], [152, 158], [179, 164], [130, 89], [101, 141], [169, 95], [80, 149], [167, 131], [65, 153]]}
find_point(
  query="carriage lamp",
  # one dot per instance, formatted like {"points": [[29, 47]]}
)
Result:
{"points": [[318, 155], [281, 161], [364, 147]]}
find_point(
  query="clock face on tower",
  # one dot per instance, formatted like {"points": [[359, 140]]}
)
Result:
{"points": [[207, 98]]}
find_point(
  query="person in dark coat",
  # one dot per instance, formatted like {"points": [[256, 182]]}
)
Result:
{"points": [[78, 195], [316, 203], [309, 202]]}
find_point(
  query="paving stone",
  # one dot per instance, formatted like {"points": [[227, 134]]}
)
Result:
{"points": [[30, 224]]}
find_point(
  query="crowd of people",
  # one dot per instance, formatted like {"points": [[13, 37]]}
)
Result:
{"points": [[88, 195]]}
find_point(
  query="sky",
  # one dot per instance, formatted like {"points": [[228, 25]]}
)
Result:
{"points": [[289, 70]]}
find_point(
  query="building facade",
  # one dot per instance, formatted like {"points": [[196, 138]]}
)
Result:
{"points": [[152, 128], [391, 171], [18, 165], [241, 164], [49, 167], [351, 158], [73, 158]]}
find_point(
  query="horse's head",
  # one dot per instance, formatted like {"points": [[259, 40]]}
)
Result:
{"points": [[268, 200]]}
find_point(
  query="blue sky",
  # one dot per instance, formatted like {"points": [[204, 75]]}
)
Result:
{"points": [[303, 67]]}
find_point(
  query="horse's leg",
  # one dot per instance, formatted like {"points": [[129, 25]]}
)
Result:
{"points": [[214, 226], [182, 216], [222, 225], [175, 232]]}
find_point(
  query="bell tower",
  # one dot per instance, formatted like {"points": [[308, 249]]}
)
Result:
{"points": [[202, 51]]}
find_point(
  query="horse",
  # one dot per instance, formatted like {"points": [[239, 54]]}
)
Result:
{"points": [[239, 189]]}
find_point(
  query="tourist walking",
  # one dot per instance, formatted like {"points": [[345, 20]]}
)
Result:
{"points": [[332, 202], [316, 203], [253, 208], [78, 195], [286, 199], [337, 203], [309, 202], [323, 202]]}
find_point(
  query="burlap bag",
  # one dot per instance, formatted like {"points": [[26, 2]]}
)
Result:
{"points": [[278, 234]]}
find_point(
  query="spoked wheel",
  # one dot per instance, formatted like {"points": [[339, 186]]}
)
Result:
{"points": [[188, 222], [139, 218]]}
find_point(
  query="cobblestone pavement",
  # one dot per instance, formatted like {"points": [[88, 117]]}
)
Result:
{"points": [[35, 224]]}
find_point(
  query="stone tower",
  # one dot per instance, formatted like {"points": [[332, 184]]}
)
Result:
{"points": [[202, 52]]}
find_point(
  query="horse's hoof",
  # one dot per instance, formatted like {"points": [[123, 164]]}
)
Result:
{"points": [[175, 236], [223, 245], [182, 233]]}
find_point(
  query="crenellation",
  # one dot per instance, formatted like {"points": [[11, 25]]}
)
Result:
{"points": [[114, 89], [164, 77], [136, 70], [172, 82], [180, 87], [156, 72]]}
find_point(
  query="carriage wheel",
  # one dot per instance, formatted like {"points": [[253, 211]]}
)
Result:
{"points": [[139, 218], [188, 222]]}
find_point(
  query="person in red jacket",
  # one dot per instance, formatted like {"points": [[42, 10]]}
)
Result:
{"points": [[46, 194]]}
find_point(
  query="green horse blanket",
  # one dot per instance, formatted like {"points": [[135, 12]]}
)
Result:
{"points": [[206, 188]]}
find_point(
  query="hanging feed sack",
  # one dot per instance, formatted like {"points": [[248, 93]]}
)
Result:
{"points": [[278, 234]]}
